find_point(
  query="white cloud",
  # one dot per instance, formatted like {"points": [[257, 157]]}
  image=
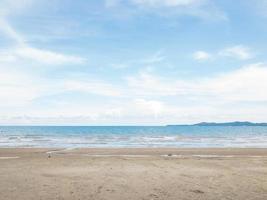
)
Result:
{"points": [[147, 99], [92, 87], [203, 9], [22, 88], [148, 107], [167, 3], [21, 50], [17, 88], [155, 58], [245, 84], [149, 85], [7, 30], [157, 3], [6, 57], [23, 53], [47, 57], [111, 3], [9, 7], [259, 6], [239, 52], [148, 61], [201, 55]]}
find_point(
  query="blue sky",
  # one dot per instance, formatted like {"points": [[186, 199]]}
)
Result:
{"points": [[132, 62]]}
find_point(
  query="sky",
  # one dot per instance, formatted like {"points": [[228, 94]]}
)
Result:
{"points": [[132, 62]]}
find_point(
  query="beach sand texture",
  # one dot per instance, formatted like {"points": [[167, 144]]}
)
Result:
{"points": [[133, 174]]}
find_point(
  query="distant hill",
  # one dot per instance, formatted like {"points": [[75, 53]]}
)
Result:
{"points": [[227, 124], [230, 124]]}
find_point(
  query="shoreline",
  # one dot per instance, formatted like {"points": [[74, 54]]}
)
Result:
{"points": [[140, 151]]}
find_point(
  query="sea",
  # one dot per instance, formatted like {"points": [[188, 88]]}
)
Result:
{"points": [[133, 136]]}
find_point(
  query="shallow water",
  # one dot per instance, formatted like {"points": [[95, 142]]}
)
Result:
{"points": [[132, 136]]}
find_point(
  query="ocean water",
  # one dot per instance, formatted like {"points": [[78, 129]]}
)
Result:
{"points": [[132, 136]]}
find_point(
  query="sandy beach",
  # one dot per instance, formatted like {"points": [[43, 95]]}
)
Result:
{"points": [[121, 174]]}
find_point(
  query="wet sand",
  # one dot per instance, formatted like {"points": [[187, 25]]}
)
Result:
{"points": [[119, 174]]}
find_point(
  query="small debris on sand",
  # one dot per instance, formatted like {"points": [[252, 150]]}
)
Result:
{"points": [[197, 191]]}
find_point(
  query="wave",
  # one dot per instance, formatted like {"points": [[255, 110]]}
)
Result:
{"points": [[133, 137]]}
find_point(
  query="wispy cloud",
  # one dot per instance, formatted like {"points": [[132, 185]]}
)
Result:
{"points": [[239, 52], [201, 55], [245, 84], [9, 7], [155, 58], [46, 56], [23, 88], [259, 6], [168, 3], [148, 107], [22, 50], [148, 60], [148, 85], [18, 88], [204, 9], [146, 98], [112, 3], [7, 29], [92, 87]]}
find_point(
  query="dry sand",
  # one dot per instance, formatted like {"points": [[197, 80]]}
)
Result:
{"points": [[125, 174]]}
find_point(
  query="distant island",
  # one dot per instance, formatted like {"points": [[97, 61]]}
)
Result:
{"points": [[227, 124]]}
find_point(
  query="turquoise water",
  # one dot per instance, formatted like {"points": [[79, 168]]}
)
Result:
{"points": [[132, 136]]}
